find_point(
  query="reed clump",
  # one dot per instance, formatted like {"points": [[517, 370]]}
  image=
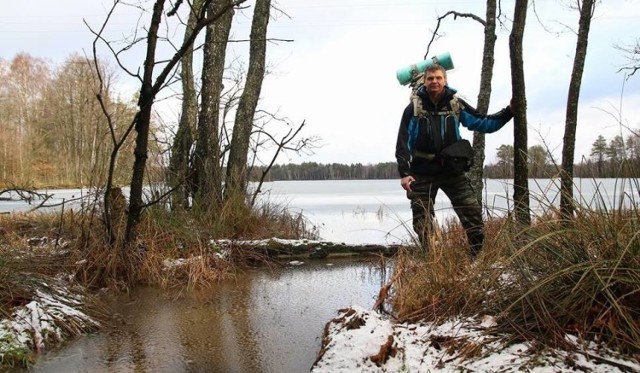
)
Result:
{"points": [[556, 277], [172, 248]]}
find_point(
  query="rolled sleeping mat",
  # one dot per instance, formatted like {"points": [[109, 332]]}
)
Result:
{"points": [[406, 74]]}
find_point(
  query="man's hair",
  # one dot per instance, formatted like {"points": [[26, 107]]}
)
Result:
{"points": [[436, 67]]}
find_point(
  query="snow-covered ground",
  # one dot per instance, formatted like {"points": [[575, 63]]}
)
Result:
{"points": [[360, 340], [54, 313], [357, 340], [50, 318]]}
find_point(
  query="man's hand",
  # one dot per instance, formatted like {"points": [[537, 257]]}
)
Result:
{"points": [[406, 181]]}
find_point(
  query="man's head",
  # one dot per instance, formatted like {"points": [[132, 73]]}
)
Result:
{"points": [[435, 79]]}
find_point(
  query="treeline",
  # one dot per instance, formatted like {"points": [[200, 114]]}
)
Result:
{"points": [[333, 171], [615, 158], [53, 132]]}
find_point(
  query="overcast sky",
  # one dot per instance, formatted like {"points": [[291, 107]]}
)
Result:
{"points": [[338, 74]]}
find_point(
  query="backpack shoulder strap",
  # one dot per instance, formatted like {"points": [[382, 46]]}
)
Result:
{"points": [[456, 105], [415, 99]]}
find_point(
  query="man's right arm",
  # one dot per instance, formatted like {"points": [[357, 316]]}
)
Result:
{"points": [[403, 155]]}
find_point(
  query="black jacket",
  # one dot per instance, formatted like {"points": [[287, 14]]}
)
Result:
{"points": [[421, 138]]}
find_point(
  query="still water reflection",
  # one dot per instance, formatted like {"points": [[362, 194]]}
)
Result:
{"points": [[265, 320]]}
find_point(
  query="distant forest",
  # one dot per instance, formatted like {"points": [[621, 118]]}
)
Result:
{"points": [[616, 158]]}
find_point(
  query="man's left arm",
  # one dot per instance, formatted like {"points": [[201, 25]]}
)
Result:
{"points": [[470, 118]]}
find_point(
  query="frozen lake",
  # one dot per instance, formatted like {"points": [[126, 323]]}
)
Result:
{"points": [[377, 211]]}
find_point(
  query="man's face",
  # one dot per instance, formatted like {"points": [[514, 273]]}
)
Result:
{"points": [[435, 82]]}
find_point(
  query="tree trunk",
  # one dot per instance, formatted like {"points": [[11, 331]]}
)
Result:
{"points": [[207, 154], [484, 96], [142, 122], [569, 142], [236, 181], [179, 163], [521, 169]]}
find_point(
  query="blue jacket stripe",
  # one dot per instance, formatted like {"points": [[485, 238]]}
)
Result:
{"points": [[413, 133]]}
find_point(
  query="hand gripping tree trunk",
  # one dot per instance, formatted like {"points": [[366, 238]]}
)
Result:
{"points": [[207, 154], [179, 174], [236, 180], [521, 168], [571, 121]]}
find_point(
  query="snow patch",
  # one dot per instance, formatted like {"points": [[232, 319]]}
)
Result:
{"points": [[360, 340], [47, 320]]}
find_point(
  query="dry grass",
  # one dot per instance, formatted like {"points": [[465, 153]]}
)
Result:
{"points": [[541, 282], [32, 259], [96, 261], [435, 284], [237, 220]]}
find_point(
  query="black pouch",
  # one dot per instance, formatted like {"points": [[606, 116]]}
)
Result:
{"points": [[457, 158]]}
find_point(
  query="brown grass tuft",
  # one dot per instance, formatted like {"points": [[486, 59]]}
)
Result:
{"points": [[541, 282]]}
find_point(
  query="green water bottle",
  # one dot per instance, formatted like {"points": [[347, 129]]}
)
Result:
{"points": [[406, 74]]}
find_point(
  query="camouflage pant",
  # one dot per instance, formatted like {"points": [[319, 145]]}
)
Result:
{"points": [[458, 189]]}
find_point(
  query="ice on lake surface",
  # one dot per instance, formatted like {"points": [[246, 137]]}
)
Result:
{"points": [[377, 211]]}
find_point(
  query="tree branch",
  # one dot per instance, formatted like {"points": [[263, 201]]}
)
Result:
{"points": [[455, 15]]}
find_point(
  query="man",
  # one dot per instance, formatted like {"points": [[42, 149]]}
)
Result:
{"points": [[430, 123]]}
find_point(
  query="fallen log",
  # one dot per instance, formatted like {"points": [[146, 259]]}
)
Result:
{"points": [[311, 249]]}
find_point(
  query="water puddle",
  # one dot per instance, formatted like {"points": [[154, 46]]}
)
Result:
{"points": [[265, 320]]}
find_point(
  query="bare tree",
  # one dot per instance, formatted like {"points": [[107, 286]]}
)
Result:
{"points": [[208, 153], [151, 84], [184, 138], [632, 53], [236, 180], [586, 8], [484, 96], [287, 142], [61, 137], [23, 82], [521, 170]]}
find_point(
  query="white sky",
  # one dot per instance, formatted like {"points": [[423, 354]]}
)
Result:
{"points": [[339, 73]]}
